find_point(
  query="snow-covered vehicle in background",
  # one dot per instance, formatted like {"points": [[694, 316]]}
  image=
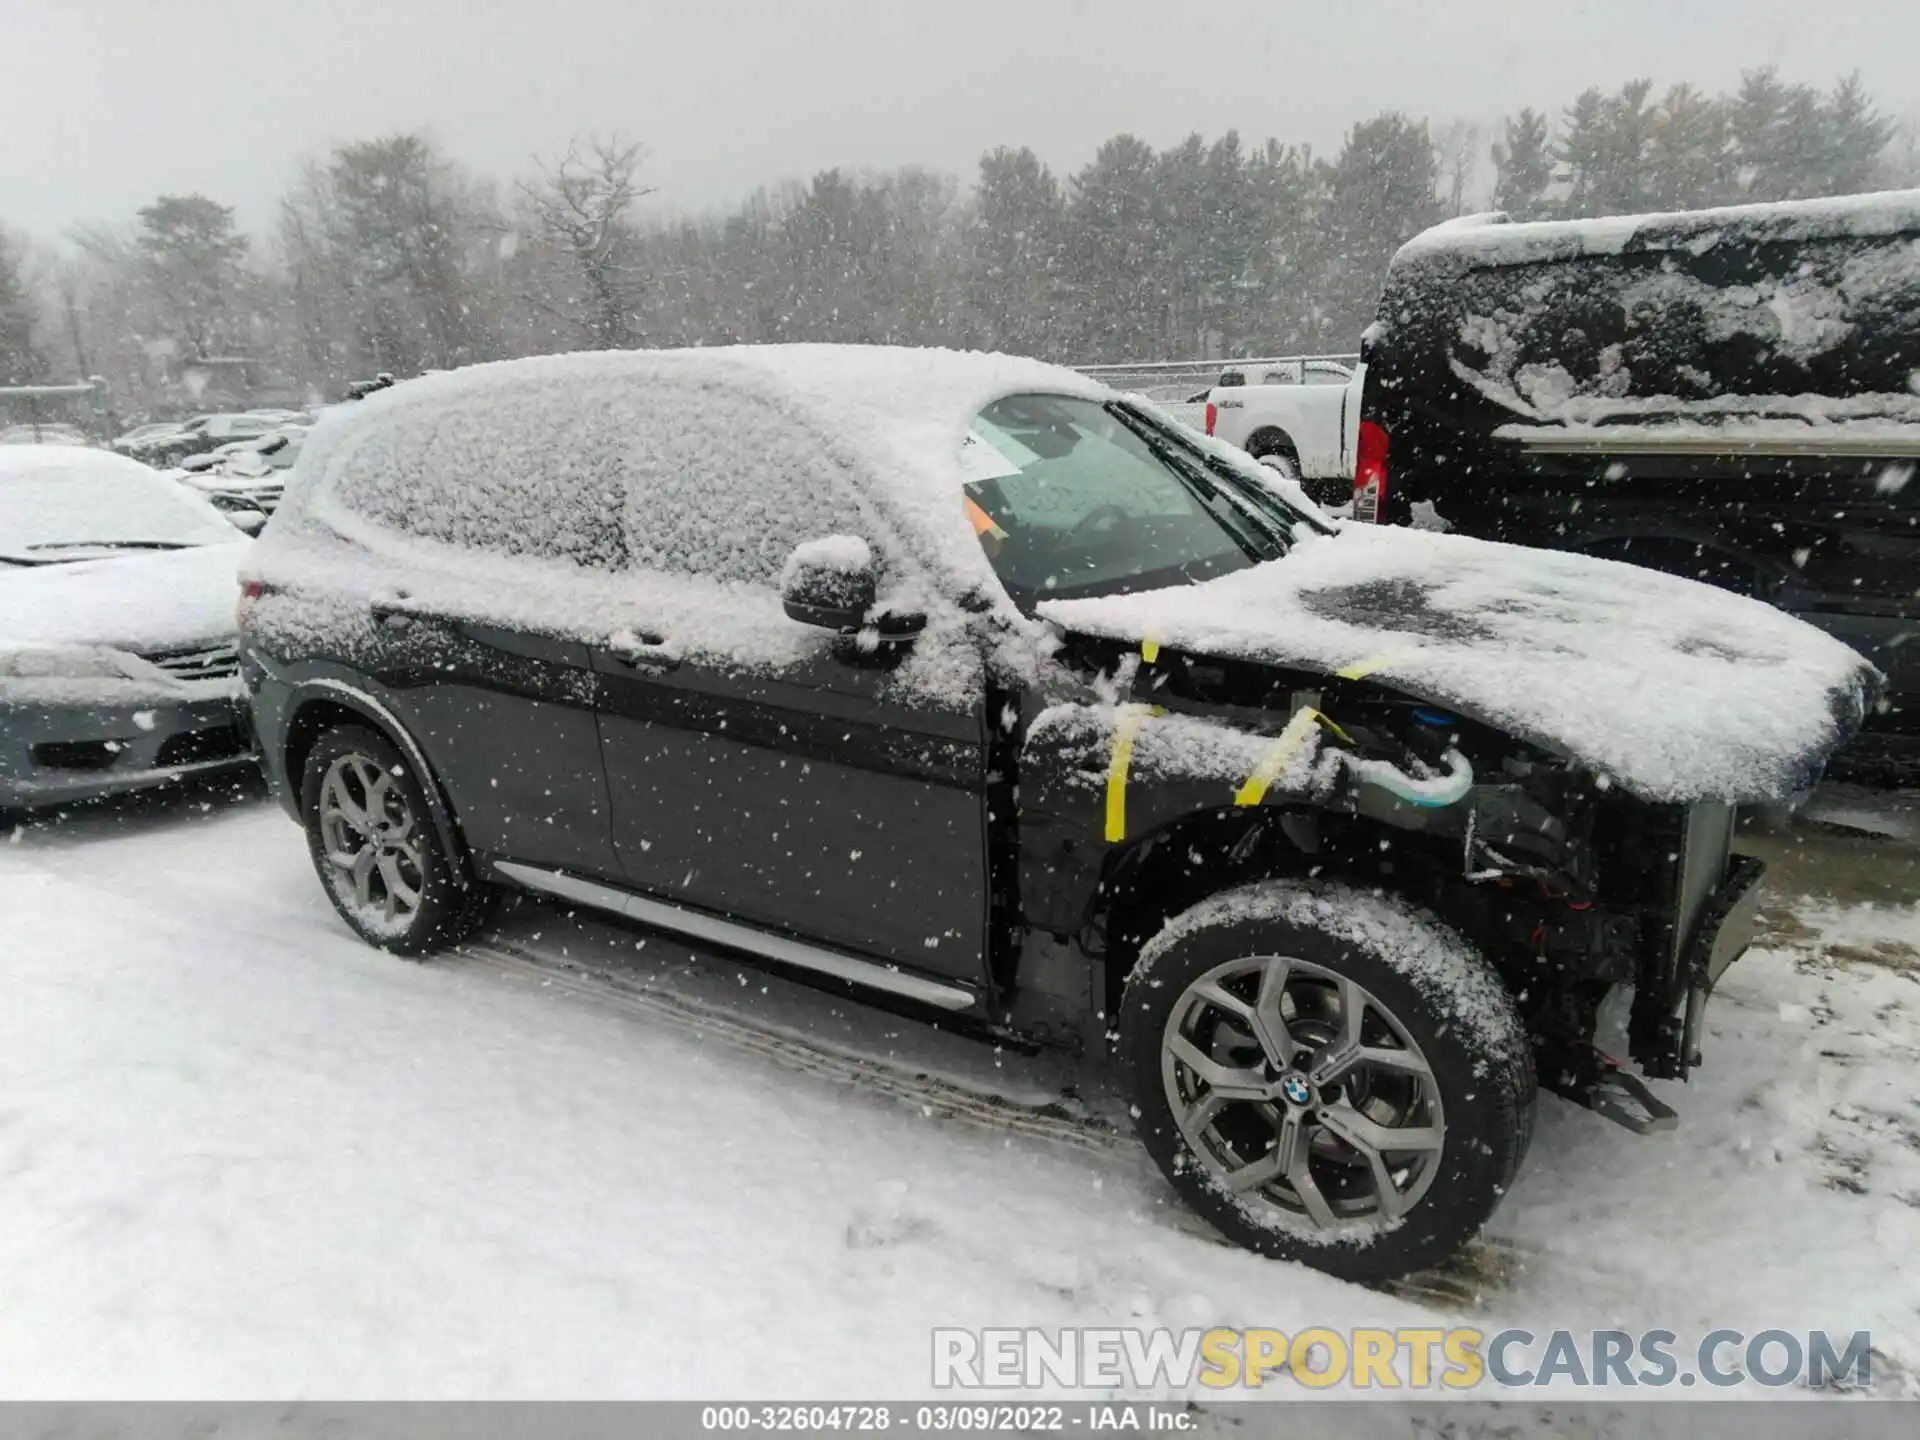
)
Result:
{"points": [[117, 657], [1299, 416], [971, 686], [198, 435], [1731, 395], [244, 479]]}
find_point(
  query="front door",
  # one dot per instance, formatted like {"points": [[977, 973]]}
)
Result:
{"points": [[824, 802]]}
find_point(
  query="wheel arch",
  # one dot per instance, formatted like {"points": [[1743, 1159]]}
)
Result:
{"points": [[1175, 866], [1271, 439], [323, 705]]}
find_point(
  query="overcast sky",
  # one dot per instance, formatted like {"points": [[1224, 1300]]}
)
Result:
{"points": [[106, 103]]}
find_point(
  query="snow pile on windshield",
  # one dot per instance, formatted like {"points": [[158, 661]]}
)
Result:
{"points": [[1648, 319], [56, 497], [1676, 690]]}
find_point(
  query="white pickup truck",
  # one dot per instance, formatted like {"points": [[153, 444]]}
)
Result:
{"points": [[1302, 417]]}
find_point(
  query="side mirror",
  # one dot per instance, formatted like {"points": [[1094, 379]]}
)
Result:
{"points": [[199, 464], [831, 583], [248, 522]]}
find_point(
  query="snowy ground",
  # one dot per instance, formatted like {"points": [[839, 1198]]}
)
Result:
{"points": [[242, 1155]]}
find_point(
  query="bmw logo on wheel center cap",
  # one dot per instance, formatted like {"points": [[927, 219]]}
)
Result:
{"points": [[1296, 1089]]}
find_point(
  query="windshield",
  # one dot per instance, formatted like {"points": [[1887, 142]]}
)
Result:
{"points": [[54, 512], [1072, 498]]}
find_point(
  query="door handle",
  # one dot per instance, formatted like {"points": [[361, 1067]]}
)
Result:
{"points": [[393, 614], [643, 650]]}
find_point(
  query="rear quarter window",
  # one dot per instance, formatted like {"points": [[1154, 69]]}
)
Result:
{"points": [[533, 473]]}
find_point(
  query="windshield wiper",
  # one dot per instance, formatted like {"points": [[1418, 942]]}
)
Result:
{"points": [[1254, 495], [113, 545], [1260, 538]]}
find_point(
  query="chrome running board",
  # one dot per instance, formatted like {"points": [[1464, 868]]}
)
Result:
{"points": [[870, 973]]}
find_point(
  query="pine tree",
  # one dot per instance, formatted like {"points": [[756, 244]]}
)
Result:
{"points": [[1015, 234], [1114, 248], [1857, 138], [1523, 166], [191, 251], [1689, 161], [1380, 193]]}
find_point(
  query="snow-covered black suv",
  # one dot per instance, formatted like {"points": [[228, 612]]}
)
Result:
{"points": [[963, 683]]}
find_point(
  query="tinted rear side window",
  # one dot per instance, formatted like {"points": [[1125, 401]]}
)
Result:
{"points": [[535, 473]]}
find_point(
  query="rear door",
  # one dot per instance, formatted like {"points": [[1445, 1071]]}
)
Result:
{"points": [[498, 531]]}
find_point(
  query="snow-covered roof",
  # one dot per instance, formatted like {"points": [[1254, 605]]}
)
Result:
{"points": [[886, 415], [1490, 239]]}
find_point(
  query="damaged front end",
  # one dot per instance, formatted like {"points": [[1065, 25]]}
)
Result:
{"points": [[1611, 918]]}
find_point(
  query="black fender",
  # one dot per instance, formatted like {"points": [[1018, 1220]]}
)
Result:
{"points": [[323, 700]]}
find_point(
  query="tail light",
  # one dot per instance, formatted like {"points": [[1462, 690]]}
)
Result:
{"points": [[1213, 414], [250, 591], [1370, 475]]}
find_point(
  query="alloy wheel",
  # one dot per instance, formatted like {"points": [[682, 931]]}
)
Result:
{"points": [[371, 839], [1296, 1087]]}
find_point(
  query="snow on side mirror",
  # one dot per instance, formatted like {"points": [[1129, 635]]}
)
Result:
{"points": [[248, 522], [834, 582], [831, 582]]}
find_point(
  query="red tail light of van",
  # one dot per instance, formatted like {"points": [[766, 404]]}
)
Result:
{"points": [[1213, 414], [1370, 475]]}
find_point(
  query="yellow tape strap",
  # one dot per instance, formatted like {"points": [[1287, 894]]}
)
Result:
{"points": [[1149, 650], [1131, 718], [1362, 668], [1277, 756]]}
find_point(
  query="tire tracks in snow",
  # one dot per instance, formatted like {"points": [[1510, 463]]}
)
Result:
{"points": [[1472, 1280]]}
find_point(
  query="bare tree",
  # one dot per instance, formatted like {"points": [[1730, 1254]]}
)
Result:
{"points": [[581, 206]]}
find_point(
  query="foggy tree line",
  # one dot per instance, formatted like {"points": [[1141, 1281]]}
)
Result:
{"points": [[388, 254]]}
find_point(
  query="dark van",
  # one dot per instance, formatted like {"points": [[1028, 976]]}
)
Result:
{"points": [[1730, 395]]}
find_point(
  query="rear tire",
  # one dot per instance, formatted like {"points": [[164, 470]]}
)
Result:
{"points": [[1328, 1076], [376, 849], [1282, 463]]}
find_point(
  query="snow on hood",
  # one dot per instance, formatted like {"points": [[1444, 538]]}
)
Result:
{"points": [[1675, 690], [144, 602]]}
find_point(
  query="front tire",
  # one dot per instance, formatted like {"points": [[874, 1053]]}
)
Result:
{"points": [[376, 849], [1327, 1075]]}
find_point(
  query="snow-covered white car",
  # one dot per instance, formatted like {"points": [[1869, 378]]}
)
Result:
{"points": [[1300, 417], [969, 685], [117, 658]]}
